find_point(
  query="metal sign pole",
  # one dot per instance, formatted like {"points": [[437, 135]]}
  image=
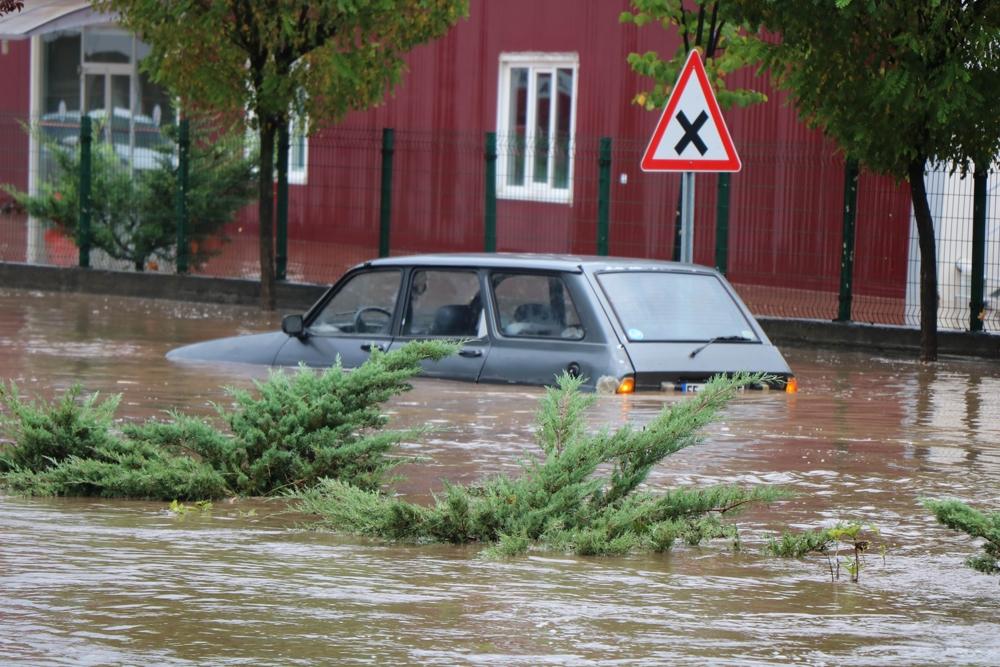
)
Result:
{"points": [[687, 217]]}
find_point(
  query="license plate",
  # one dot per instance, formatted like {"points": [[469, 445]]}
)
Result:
{"points": [[691, 387]]}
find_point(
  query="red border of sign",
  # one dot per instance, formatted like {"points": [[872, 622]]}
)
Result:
{"points": [[732, 163]]}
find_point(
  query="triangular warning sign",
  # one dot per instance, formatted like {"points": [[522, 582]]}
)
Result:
{"points": [[691, 134]]}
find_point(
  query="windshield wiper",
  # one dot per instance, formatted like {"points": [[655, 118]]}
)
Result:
{"points": [[720, 339]]}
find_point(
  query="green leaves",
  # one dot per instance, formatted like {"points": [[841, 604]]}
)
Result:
{"points": [[231, 57], [713, 28], [258, 61], [889, 81], [984, 525], [292, 432], [132, 206], [49, 432], [856, 538]]}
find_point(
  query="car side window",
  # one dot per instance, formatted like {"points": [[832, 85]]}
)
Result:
{"points": [[363, 305], [535, 305], [444, 303]]}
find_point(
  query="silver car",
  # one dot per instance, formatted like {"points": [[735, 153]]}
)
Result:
{"points": [[623, 324]]}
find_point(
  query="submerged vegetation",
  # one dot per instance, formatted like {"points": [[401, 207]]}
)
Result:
{"points": [[293, 431], [855, 539], [581, 495], [321, 437], [984, 525]]}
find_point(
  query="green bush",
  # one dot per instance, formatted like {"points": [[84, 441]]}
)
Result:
{"points": [[797, 545], [297, 429], [581, 495], [46, 433], [122, 469], [983, 525], [133, 209], [854, 538], [69, 448]]}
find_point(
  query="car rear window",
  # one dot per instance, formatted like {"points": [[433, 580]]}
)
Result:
{"points": [[665, 306]]}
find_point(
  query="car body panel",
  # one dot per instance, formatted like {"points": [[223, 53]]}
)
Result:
{"points": [[321, 351], [250, 349]]}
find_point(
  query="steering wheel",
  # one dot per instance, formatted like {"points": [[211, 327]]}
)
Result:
{"points": [[360, 326]]}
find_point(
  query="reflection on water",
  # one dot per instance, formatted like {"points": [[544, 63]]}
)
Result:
{"points": [[100, 582]]}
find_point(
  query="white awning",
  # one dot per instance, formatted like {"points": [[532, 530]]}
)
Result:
{"points": [[41, 16]]}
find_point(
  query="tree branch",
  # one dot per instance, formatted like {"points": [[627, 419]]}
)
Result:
{"points": [[683, 26], [713, 39], [701, 25]]}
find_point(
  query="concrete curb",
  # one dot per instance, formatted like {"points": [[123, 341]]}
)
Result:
{"points": [[297, 297], [819, 333], [289, 296]]}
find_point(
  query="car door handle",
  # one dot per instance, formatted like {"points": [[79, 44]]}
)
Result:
{"points": [[368, 347], [470, 352]]}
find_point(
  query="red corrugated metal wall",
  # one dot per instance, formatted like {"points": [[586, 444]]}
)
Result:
{"points": [[786, 204], [15, 70]]}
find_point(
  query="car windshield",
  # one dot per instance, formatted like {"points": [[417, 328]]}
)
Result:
{"points": [[666, 306]]}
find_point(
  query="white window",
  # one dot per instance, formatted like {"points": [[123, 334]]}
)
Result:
{"points": [[298, 150], [536, 122]]}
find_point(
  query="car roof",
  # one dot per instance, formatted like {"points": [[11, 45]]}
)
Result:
{"points": [[538, 261]]}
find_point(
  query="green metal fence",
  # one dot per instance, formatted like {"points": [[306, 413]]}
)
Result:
{"points": [[799, 231]]}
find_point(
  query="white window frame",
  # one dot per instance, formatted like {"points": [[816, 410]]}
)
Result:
{"points": [[534, 62], [296, 176], [298, 126]]}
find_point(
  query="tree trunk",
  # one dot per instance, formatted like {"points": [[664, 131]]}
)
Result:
{"points": [[928, 261], [265, 211]]}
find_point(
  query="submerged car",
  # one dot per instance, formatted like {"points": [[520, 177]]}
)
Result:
{"points": [[623, 324]]}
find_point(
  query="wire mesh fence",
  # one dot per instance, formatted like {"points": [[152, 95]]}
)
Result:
{"points": [[795, 231]]}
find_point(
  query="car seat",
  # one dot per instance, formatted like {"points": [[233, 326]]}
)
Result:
{"points": [[454, 320]]}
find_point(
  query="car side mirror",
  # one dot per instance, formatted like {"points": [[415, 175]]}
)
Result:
{"points": [[293, 325]]}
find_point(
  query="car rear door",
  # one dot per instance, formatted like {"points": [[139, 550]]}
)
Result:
{"points": [[545, 324]]}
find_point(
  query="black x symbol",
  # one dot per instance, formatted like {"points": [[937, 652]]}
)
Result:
{"points": [[691, 132]]}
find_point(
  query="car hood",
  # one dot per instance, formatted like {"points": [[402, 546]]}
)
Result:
{"points": [[252, 349]]}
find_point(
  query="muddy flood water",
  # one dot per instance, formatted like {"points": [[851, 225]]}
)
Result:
{"points": [[94, 582]]}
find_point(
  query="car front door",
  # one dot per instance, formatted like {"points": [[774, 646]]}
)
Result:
{"points": [[446, 304], [357, 317]]}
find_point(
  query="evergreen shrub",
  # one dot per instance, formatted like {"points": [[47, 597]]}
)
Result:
{"points": [[581, 495], [983, 525], [294, 430]]}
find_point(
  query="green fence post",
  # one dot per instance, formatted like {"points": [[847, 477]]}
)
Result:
{"points": [[976, 305], [847, 251], [281, 233], [385, 210], [83, 233], [603, 196], [180, 203], [722, 223], [490, 214]]}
